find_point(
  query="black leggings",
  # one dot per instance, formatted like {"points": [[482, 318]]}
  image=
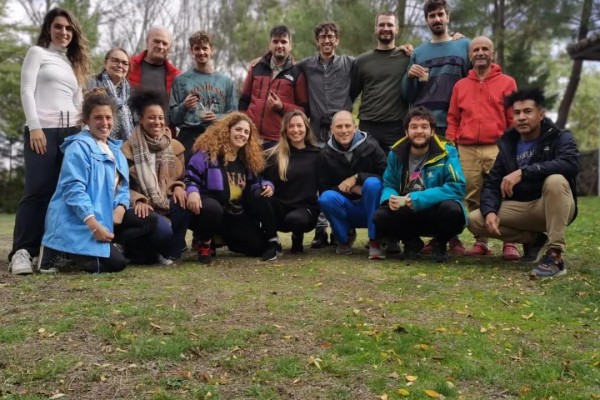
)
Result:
{"points": [[246, 233], [41, 176], [440, 222], [295, 220], [115, 262]]}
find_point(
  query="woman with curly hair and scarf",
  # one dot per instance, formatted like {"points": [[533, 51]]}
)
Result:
{"points": [[156, 170], [226, 193]]}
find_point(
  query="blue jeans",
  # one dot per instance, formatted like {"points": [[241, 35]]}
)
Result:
{"points": [[345, 214]]}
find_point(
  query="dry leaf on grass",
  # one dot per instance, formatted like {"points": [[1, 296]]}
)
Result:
{"points": [[403, 392], [433, 394]]}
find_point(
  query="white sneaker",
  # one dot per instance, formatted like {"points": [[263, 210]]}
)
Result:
{"points": [[21, 263], [164, 261]]}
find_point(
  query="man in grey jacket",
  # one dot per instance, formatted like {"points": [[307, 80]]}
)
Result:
{"points": [[328, 79]]}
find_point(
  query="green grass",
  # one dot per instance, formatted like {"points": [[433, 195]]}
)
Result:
{"points": [[306, 327]]}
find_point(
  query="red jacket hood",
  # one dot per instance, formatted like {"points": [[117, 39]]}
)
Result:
{"points": [[495, 70]]}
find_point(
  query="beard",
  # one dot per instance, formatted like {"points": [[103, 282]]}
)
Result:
{"points": [[437, 29], [386, 40], [420, 145]]}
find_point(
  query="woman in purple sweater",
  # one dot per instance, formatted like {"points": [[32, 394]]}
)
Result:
{"points": [[226, 194]]}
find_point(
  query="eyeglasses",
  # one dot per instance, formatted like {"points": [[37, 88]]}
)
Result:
{"points": [[117, 61], [329, 37]]}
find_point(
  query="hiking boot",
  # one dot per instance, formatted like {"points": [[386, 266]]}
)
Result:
{"points": [[297, 246], [333, 240], [440, 252], [479, 249], [531, 251], [412, 248], [273, 251], [195, 243], [204, 253], [510, 252], [392, 246], [456, 246], [551, 265], [320, 239], [376, 252], [21, 264]]}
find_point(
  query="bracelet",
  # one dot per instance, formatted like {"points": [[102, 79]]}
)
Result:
{"points": [[94, 231]]}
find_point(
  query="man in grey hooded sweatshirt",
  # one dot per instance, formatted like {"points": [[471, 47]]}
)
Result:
{"points": [[350, 169]]}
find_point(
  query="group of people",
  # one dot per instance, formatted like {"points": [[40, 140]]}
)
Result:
{"points": [[445, 141]]}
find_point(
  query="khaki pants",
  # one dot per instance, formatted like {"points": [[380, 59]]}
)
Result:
{"points": [[520, 221], [476, 162]]}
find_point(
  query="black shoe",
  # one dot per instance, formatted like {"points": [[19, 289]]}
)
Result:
{"points": [[440, 252], [333, 240], [204, 253], [297, 246], [532, 250], [273, 251], [320, 239], [412, 248]]}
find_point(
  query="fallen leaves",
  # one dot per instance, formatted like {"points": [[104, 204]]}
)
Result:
{"points": [[527, 317], [315, 361], [433, 394]]}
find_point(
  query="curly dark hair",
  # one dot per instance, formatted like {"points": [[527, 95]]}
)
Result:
{"points": [[531, 93], [326, 26], [216, 142], [419, 113], [94, 98], [144, 98]]}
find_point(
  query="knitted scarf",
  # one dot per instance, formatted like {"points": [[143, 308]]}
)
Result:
{"points": [[123, 124], [156, 179]]}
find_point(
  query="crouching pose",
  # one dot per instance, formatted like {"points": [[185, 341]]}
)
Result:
{"points": [[156, 166], [423, 188], [226, 194], [529, 196], [292, 167], [89, 211], [350, 168]]}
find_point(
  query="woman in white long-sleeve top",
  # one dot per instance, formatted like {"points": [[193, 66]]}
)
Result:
{"points": [[52, 75]]}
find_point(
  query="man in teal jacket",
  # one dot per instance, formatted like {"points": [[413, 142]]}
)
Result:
{"points": [[423, 188]]}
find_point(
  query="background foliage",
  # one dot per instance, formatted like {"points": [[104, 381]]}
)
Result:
{"points": [[530, 37]]}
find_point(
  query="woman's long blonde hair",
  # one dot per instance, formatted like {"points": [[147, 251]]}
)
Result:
{"points": [[280, 153], [216, 142]]}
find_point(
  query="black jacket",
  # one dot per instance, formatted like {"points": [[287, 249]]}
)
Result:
{"points": [[555, 153], [368, 159]]}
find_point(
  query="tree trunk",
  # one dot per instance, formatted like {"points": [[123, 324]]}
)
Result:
{"points": [[567, 100], [499, 30]]}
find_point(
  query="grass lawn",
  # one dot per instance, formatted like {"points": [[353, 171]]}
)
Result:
{"points": [[316, 326]]}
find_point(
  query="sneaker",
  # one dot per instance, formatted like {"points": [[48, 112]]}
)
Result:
{"points": [[479, 249], [551, 265], [21, 263], [412, 248], [428, 248], [440, 252], [49, 260], [204, 253], [273, 251], [531, 251], [393, 247], [164, 260], [346, 248], [376, 252], [320, 239], [297, 246], [456, 246], [510, 252]]}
